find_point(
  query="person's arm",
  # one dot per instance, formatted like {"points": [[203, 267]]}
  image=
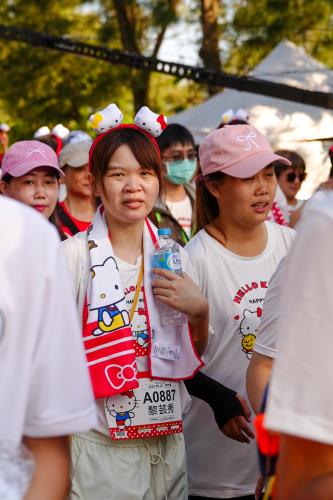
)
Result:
{"points": [[51, 478], [305, 470], [199, 327], [257, 377], [231, 412], [181, 293]]}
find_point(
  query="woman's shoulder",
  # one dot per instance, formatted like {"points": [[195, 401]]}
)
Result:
{"points": [[198, 241], [75, 243], [284, 233], [76, 250]]}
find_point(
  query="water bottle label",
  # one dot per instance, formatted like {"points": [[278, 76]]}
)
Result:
{"points": [[168, 260]]}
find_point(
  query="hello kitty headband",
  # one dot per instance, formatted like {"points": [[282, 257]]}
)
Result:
{"points": [[230, 115], [110, 119]]}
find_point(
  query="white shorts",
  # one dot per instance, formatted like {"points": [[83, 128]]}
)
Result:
{"points": [[135, 469]]}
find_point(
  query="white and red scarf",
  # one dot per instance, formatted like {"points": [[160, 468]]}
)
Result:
{"points": [[107, 335]]}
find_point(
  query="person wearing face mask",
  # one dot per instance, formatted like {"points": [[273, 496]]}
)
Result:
{"points": [[176, 207]]}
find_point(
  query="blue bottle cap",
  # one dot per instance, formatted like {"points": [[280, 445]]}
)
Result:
{"points": [[164, 231]]}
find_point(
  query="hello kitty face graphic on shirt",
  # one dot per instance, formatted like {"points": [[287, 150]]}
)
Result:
{"points": [[249, 329]]}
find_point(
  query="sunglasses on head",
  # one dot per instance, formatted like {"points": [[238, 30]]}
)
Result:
{"points": [[291, 177]]}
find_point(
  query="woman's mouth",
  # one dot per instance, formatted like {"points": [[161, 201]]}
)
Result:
{"points": [[260, 207], [133, 204], [40, 208]]}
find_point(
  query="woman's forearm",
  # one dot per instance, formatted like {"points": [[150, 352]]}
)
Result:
{"points": [[51, 479]]}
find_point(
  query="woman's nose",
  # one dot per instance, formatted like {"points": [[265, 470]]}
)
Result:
{"points": [[262, 186], [40, 191], [132, 184]]}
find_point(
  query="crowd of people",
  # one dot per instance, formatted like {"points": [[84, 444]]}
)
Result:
{"points": [[102, 400]]}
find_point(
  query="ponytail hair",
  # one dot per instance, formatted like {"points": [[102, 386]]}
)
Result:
{"points": [[207, 208]]}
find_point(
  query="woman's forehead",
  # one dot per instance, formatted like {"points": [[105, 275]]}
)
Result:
{"points": [[42, 171]]}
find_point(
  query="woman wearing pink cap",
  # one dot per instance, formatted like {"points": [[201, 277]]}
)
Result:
{"points": [[234, 255], [30, 174]]}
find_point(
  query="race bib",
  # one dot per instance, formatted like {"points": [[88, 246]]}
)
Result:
{"points": [[152, 410]]}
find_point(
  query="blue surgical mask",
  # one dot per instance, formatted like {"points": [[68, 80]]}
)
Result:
{"points": [[180, 172]]}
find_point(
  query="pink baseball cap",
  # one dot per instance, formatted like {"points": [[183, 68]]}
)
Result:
{"points": [[237, 150], [24, 156]]}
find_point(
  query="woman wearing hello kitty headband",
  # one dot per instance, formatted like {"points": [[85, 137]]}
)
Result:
{"points": [[136, 364], [234, 253]]}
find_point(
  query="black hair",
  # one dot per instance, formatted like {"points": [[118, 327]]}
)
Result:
{"points": [[49, 140], [207, 208], [7, 178], [295, 159], [173, 134], [233, 122]]}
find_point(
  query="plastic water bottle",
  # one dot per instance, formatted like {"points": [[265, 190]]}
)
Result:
{"points": [[167, 256]]}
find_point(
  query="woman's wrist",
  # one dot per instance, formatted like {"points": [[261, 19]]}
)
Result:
{"points": [[200, 314]]}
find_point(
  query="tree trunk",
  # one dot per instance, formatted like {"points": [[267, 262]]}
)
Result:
{"points": [[126, 12], [209, 50]]}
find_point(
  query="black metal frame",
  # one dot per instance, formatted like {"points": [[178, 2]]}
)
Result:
{"points": [[197, 74]]}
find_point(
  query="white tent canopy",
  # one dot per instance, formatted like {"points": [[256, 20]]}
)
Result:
{"points": [[287, 124]]}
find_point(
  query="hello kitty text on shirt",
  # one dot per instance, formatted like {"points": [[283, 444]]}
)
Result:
{"points": [[248, 319]]}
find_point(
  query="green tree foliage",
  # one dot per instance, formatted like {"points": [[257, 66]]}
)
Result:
{"points": [[44, 87], [41, 86], [259, 25]]}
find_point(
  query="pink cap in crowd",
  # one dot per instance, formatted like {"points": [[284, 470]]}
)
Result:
{"points": [[24, 156], [237, 150]]}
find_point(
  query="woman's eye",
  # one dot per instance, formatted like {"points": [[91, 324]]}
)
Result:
{"points": [[116, 174], [146, 172], [51, 181], [28, 182]]}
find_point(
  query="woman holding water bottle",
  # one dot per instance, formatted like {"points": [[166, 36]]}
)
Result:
{"points": [[137, 451]]}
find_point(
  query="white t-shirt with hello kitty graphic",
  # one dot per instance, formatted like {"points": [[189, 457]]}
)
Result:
{"points": [[235, 287]]}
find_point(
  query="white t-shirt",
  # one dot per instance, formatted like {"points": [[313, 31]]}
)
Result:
{"points": [[300, 397], [45, 388], [235, 287], [182, 212], [266, 341]]}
